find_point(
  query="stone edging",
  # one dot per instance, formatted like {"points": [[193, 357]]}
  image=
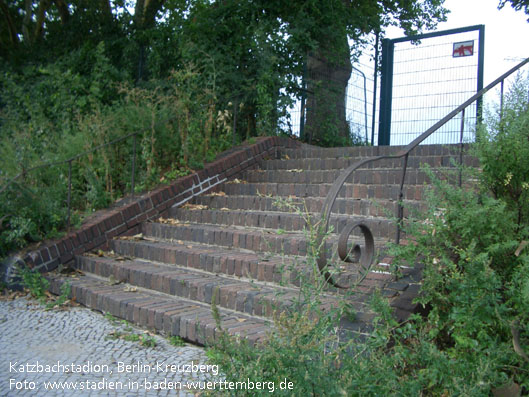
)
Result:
{"points": [[126, 219]]}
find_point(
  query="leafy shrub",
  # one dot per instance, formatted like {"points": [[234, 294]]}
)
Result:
{"points": [[504, 153]]}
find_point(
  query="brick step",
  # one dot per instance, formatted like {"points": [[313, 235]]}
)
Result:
{"points": [[319, 164], [253, 239], [308, 151], [387, 176], [278, 221], [240, 295], [214, 259], [262, 268], [302, 190], [362, 207], [169, 315]]}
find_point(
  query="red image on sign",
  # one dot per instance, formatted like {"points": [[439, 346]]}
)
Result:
{"points": [[463, 49]]}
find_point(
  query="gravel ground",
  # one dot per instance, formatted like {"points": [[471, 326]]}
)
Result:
{"points": [[77, 349]]}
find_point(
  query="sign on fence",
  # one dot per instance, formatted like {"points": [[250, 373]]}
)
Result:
{"points": [[463, 49]]}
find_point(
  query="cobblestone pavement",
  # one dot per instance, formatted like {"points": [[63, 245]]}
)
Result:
{"points": [[74, 346]]}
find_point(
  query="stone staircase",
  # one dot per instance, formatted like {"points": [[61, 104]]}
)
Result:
{"points": [[235, 243]]}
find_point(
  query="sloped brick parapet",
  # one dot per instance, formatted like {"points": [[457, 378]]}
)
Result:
{"points": [[126, 217]]}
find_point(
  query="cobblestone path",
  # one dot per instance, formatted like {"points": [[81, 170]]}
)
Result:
{"points": [[74, 349]]}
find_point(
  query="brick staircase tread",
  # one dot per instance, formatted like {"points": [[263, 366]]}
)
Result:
{"points": [[265, 268], [303, 190], [310, 151], [166, 314], [286, 198], [235, 294], [351, 206], [329, 184], [275, 222], [330, 163], [363, 176], [297, 235], [237, 253], [313, 215]]}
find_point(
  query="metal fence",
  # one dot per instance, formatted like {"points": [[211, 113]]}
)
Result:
{"points": [[425, 77], [422, 78]]}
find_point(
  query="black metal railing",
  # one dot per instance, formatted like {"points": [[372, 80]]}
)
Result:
{"points": [[365, 255]]}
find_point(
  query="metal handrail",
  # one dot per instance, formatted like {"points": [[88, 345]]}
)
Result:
{"points": [[366, 255], [77, 156]]}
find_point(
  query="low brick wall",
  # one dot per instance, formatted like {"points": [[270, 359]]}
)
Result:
{"points": [[127, 218]]}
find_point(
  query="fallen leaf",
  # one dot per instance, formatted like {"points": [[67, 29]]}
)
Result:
{"points": [[112, 280], [237, 181], [222, 194], [194, 207], [135, 237], [169, 221]]}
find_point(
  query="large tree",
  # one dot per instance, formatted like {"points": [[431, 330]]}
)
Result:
{"points": [[253, 51], [328, 28]]}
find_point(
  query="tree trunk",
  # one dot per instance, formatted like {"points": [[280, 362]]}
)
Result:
{"points": [[26, 23], [63, 11], [13, 37], [41, 16], [327, 78], [144, 18]]}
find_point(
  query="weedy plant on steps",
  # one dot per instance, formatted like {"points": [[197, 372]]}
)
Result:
{"points": [[308, 344]]}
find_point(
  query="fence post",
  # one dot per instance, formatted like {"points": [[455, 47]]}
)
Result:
{"points": [[461, 147], [501, 99], [234, 132], [386, 92], [400, 206], [133, 164], [303, 99], [69, 194], [375, 76]]}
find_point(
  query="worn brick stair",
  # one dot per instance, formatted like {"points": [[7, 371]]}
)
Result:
{"points": [[235, 243]]}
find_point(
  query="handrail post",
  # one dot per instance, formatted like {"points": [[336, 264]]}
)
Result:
{"points": [[461, 147], [133, 171], [501, 99], [400, 207], [69, 194]]}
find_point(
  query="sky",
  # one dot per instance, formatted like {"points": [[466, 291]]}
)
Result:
{"points": [[506, 32]]}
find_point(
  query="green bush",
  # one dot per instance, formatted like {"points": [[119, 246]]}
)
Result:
{"points": [[504, 153]]}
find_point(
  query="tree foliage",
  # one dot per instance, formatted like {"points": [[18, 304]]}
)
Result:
{"points": [[517, 5]]}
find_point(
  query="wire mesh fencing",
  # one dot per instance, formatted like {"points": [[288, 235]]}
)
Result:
{"points": [[424, 78]]}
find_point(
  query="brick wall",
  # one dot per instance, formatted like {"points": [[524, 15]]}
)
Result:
{"points": [[127, 218]]}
